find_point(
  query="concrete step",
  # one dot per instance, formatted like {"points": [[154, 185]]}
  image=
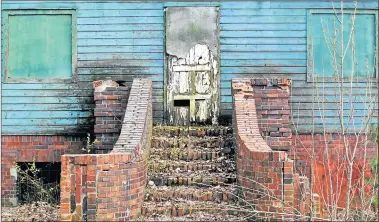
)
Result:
{"points": [[222, 164], [189, 207], [183, 193], [189, 154], [198, 179], [195, 131], [191, 142]]}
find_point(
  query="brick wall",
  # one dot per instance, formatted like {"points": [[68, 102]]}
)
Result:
{"points": [[315, 155], [28, 149], [267, 177], [109, 113], [273, 110], [111, 186]]}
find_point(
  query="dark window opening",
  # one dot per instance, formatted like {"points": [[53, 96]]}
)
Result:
{"points": [[38, 182], [182, 103]]}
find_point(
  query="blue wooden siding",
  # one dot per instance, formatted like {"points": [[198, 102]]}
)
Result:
{"points": [[123, 40]]}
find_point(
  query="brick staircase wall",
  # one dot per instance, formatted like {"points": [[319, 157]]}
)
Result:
{"points": [[271, 98], [110, 186], [267, 177]]}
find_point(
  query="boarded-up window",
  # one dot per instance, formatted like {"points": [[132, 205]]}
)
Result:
{"points": [[40, 45], [325, 47]]}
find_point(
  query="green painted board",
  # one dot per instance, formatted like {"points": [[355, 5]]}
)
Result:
{"points": [[39, 46], [322, 25]]}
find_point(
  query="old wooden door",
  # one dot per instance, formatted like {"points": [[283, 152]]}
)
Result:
{"points": [[192, 72]]}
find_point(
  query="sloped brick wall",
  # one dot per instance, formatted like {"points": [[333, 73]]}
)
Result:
{"points": [[110, 186], [267, 177], [271, 98]]}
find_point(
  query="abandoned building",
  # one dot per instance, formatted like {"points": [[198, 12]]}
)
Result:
{"points": [[150, 108]]}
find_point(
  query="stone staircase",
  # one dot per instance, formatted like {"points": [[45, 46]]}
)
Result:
{"points": [[192, 175]]}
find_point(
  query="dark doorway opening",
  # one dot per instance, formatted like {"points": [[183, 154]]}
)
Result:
{"points": [[38, 182]]}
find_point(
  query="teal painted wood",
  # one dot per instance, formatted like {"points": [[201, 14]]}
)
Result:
{"points": [[262, 55], [270, 12], [135, 55], [120, 27], [43, 114], [46, 107], [120, 13], [365, 42], [120, 35], [260, 27], [110, 49], [263, 48], [125, 40], [267, 41], [262, 34], [322, 4], [266, 63], [130, 42], [262, 19], [45, 122]]}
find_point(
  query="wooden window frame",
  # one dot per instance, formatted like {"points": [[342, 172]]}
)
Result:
{"points": [[11, 12], [310, 77]]}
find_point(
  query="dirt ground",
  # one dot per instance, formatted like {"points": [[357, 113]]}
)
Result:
{"points": [[38, 211]]}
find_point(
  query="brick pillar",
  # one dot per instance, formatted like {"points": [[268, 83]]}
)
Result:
{"points": [[109, 113], [8, 176], [273, 111]]}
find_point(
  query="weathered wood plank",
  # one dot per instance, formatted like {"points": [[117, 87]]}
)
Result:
{"points": [[46, 93], [118, 71], [266, 41], [46, 100], [229, 77], [121, 12], [309, 106], [271, 12], [327, 91], [121, 63], [262, 27], [307, 99], [259, 70], [120, 27], [46, 122], [117, 49], [136, 55], [119, 42], [245, 5], [121, 35], [47, 107], [322, 4], [265, 63], [120, 77], [262, 19], [120, 20], [81, 85], [263, 48], [263, 55], [44, 114], [262, 34]]}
